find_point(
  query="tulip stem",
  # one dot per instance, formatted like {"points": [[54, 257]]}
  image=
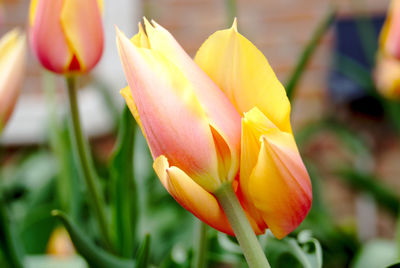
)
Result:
{"points": [[200, 259], [85, 161], [245, 235]]}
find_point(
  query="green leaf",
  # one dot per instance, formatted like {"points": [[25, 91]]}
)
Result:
{"points": [[384, 195], [308, 51], [376, 253], [142, 259], [9, 242], [125, 196], [94, 255], [303, 252]]}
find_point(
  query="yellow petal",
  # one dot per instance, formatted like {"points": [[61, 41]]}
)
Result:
{"points": [[387, 76], [244, 74], [191, 196], [32, 11], [82, 24], [141, 39], [126, 93], [273, 179]]}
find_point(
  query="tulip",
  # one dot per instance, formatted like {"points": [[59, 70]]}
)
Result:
{"points": [[12, 67], [60, 244], [66, 35], [387, 76], [389, 40], [222, 119]]}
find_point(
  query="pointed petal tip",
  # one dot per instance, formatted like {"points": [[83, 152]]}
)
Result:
{"points": [[147, 23], [234, 24]]}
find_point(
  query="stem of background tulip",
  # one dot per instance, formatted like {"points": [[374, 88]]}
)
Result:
{"points": [[245, 235], [231, 9], [85, 161], [200, 247]]}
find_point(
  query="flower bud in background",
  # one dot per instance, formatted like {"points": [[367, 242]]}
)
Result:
{"points": [[387, 68], [389, 40], [60, 243], [204, 119], [12, 68], [66, 35], [387, 77]]}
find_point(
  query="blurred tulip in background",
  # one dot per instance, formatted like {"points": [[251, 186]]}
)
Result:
{"points": [[12, 67], [66, 35]]}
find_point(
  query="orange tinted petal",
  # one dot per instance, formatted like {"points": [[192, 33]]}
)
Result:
{"points": [[191, 196], [279, 186], [47, 36], [173, 121], [221, 113], [83, 28]]}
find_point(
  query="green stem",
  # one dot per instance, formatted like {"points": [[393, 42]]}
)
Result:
{"points": [[308, 51], [200, 252], [231, 8], [245, 235], [85, 161]]}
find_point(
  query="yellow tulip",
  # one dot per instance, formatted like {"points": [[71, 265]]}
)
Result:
{"points": [[60, 244], [66, 35], [387, 76], [205, 120], [12, 67]]}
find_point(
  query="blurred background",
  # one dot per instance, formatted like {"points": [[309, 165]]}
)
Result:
{"points": [[348, 135]]}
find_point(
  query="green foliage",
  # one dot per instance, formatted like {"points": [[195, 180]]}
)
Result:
{"points": [[94, 255], [125, 196], [376, 254], [303, 252], [142, 258]]}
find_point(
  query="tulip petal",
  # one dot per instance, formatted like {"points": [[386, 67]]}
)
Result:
{"points": [[141, 39], [244, 74], [82, 24], [126, 93], [389, 39], [191, 196], [278, 186], [47, 36], [215, 104], [172, 118], [387, 76], [12, 67]]}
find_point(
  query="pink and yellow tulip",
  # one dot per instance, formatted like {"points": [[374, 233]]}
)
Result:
{"points": [[12, 67], [387, 69], [222, 118], [66, 35], [389, 40]]}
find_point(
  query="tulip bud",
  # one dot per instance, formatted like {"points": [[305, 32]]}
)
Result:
{"points": [[387, 76], [66, 35], [60, 243], [12, 67], [389, 41]]}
